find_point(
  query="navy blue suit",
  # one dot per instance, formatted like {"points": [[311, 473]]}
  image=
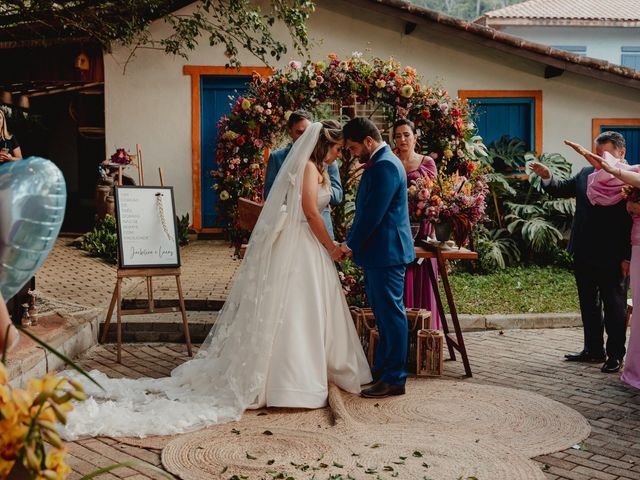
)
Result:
{"points": [[600, 241], [380, 238], [276, 159]]}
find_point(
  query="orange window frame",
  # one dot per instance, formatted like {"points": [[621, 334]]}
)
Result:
{"points": [[537, 100]]}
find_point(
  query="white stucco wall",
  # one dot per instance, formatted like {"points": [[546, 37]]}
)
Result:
{"points": [[603, 43], [151, 103]]}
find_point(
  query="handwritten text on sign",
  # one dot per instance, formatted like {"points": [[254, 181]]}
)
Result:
{"points": [[146, 222]]}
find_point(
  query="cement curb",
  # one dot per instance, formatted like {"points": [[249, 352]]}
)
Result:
{"points": [[168, 327], [473, 323]]}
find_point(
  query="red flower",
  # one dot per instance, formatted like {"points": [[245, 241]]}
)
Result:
{"points": [[240, 140]]}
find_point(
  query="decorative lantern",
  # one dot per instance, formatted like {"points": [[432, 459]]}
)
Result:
{"points": [[430, 358]]}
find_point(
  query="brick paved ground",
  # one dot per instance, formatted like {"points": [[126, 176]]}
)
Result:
{"points": [[70, 274], [526, 359]]}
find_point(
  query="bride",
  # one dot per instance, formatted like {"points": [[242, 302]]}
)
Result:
{"points": [[283, 334]]}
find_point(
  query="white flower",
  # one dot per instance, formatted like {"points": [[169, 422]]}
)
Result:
{"points": [[356, 54]]}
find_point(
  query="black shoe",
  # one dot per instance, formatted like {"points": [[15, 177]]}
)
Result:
{"points": [[376, 376], [612, 365], [382, 389], [585, 356]]}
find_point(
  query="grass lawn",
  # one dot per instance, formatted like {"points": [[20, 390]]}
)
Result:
{"points": [[516, 290]]}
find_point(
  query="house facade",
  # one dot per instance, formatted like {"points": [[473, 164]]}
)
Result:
{"points": [[171, 106], [604, 29]]}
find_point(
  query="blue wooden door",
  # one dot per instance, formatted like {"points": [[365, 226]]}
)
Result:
{"points": [[214, 97], [631, 136], [496, 117]]}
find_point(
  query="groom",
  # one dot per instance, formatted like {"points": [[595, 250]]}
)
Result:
{"points": [[380, 241]]}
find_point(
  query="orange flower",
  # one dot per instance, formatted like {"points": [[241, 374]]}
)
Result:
{"points": [[332, 56]]}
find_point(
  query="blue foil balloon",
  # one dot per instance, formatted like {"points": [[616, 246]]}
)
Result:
{"points": [[33, 195]]}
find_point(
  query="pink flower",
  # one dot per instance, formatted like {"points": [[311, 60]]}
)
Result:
{"points": [[258, 143], [295, 65]]}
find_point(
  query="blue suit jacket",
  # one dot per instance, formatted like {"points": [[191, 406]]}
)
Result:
{"points": [[380, 235], [276, 159]]}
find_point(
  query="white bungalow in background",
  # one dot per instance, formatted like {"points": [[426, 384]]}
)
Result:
{"points": [[604, 29], [543, 95]]}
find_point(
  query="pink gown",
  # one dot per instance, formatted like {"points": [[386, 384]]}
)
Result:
{"points": [[418, 292], [605, 189]]}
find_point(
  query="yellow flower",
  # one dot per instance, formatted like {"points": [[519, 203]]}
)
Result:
{"points": [[224, 195], [380, 83], [447, 153], [4, 376], [406, 91], [287, 114], [246, 104]]}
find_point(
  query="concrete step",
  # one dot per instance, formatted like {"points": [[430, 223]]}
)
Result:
{"points": [[161, 327], [70, 336]]}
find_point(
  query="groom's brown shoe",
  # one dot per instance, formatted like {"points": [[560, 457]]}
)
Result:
{"points": [[375, 379], [382, 389]]}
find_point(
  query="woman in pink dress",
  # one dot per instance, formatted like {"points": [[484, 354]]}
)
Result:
{"points": [[605, 187], [418, 292]]}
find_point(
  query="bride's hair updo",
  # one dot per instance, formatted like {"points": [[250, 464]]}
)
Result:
{"points": [[330, 135]]}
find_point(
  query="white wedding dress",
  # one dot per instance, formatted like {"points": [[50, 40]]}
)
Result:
{"points": [[284, 333]]}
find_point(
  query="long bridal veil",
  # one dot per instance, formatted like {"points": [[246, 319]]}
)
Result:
{"points": [[229, 371]]}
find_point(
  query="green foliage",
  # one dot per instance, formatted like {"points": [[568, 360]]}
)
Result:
{"points": [[526, 225], [555, 162], [235, 25], [465, 9], [496, 249], [520, 289], [535, 231], [507, 155], [183, 229], [102, 241]]}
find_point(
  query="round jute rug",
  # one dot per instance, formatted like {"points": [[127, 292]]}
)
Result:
{"points": [[440, 429], [529, 423]]}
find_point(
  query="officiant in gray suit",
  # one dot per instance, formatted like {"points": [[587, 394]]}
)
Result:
{"points": [[296, 125]]}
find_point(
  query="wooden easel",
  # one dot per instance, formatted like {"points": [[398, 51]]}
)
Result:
{"points": [[148, 274]]}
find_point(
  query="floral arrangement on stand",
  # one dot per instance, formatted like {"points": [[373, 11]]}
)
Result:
{"points": [[455, 200], [121, 157], [258, 120]]}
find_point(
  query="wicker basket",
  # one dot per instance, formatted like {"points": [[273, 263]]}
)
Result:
{"points": [[430, 356], [365, 322]]}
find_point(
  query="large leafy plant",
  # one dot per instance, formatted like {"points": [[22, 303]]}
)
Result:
{"points": [[526, 224]]}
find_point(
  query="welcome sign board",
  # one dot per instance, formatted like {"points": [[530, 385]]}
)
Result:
{"points": [[147, 231]]}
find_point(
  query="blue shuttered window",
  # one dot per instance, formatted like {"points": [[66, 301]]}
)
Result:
{"points": [[630, 57], [579, 49], [631, 136], [496, 117]]}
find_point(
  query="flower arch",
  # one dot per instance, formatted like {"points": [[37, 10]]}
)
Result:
{"points": [[258, 119]]}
